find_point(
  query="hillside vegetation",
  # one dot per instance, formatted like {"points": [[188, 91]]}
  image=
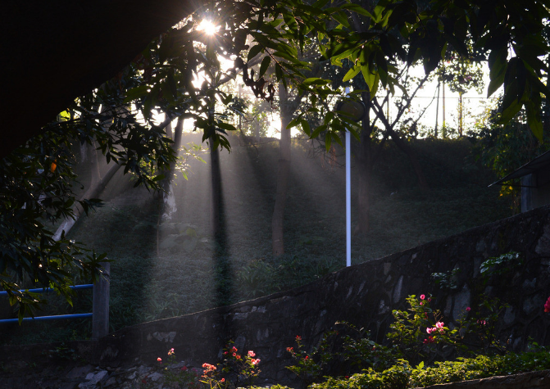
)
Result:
{"points": [[175, 267]]}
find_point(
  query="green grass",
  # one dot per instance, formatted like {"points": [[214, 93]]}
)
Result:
{"points": [[149, 282]]}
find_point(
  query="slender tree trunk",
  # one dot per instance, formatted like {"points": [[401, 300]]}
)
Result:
{"points": [[283, 172], [460, 108], [215, 174], [94, 164], [92, 193], [168, 197], [365, 163]]}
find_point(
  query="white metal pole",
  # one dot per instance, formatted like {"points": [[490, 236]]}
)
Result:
{"points": [[348, 196]]}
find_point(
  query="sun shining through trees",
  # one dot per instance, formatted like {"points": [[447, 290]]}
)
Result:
{"points": [[208, 27]]}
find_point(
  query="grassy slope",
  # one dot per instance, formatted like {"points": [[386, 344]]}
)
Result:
{"points": [[199, 274]]}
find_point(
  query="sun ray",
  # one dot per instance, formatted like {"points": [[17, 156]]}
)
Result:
{"points": [[208, 27]]}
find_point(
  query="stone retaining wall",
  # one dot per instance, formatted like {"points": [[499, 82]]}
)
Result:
{"points": [[363, 295]]}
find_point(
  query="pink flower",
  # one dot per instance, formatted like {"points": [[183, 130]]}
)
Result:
{"points": [[159, 359], [421, 303], [290, 349], [429, 330], [547, 305], [209, 367], [422, 297], [251, 354], [439, 324], [234, 349], [298, 338], [306, 358], [222, 380], [255, 361], [171, 352], [468, 309]]}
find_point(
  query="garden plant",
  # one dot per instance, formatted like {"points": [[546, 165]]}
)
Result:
{"points": [[421, 350]]}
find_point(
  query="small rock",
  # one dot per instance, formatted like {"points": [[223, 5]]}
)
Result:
{"points": [[79, 371], [143, 370], [155, 376]]}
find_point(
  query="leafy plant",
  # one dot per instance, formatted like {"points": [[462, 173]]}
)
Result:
{"points": [[309, 367], [360, 352], [495, 265], [418, 332], [446, 280], [238, 370]]}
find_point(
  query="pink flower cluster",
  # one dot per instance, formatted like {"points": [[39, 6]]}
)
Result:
{"points": [[439, 327], [208, 367], [547, 305]]}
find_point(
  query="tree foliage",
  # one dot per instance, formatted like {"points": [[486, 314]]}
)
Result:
{"points": [[179, 76]]}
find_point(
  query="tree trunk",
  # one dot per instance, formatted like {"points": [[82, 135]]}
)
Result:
{"points": [[168, 197], [215, 174], [283, 172], [365, 162], [92, 193], [94, 165]]}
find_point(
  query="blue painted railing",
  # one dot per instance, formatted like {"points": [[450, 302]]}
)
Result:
{"points": [[53, 317]]}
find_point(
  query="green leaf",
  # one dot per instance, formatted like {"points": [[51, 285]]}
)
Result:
{"points": [[342, 18], [328, 140], [534, 122], [305, 126], [293, 123], [494, 84], [254, 51], [510, 111], [278, 72], [352, 73], [358, 9], [315, 81], [318, 130], [370, 78], [265, 65]]}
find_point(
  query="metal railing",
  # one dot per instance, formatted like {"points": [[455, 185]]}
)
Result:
{"points": [[100, 311], [52, 317]]}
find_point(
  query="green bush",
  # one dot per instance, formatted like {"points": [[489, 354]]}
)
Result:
{"points": [[402, 375]]}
